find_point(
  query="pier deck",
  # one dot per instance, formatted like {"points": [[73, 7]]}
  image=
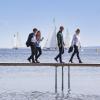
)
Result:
{"points": [[51, 64]]}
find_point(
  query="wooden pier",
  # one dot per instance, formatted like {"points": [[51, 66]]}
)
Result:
{"points": [[51, 64], [56, 65]]}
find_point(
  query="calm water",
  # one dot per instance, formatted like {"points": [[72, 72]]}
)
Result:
{"points": [[37, 83]]}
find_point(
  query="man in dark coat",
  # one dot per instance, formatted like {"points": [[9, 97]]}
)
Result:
{"points": [[60, 41], [31, 42]]}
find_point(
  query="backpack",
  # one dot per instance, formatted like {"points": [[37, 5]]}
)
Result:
{"points": [[28, 42]]}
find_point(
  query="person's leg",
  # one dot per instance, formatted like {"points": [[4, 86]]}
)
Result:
{"points": [[30, 58], [39, 52], [33, 53], [60, 54], [78, 57], [36, 53], [56, 58], [71, 59], [62, 50]]}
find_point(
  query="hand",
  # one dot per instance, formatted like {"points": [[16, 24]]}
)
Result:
{"points": [[63, 44], [42, 38], [59, 45]]}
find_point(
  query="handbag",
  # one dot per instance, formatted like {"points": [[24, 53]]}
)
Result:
{"points": [[70, 49]]}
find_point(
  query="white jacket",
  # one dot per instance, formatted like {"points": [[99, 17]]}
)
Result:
{"points": [[76, 40]]}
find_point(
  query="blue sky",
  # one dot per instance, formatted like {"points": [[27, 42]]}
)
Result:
{"points": [[23, 15]]}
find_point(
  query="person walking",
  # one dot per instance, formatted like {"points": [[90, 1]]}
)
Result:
{"points": [[32, 43], [76, 45], [38, 47], [60, 41]]}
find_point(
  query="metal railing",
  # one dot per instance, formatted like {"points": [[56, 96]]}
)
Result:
{"points": [[56, 65]]}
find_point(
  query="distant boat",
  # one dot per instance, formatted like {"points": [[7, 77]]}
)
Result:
{"points": [[97, 50], [67, 39], [16, 41], [51, 42]]}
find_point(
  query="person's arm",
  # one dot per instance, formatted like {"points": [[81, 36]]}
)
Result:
{"points": [[33, 40], [59, 40], [63, 41], [79, 43], [41, 38], [72, 42]]}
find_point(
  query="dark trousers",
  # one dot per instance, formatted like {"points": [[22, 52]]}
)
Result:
{"points": [[61, 51], [76, 51], [33, 53], [38, 52]]}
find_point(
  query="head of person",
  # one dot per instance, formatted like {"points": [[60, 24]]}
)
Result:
{"points": [[38, 34], [34, 30], [77, 31], [61, 28]]}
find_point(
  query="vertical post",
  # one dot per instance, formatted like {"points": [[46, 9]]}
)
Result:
{"points": [[62, 79], [68, 78], [55, 79]]}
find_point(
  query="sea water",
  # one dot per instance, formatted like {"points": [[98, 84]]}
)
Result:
{"points": [[38, 83]]}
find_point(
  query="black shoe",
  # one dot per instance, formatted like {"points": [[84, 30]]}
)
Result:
{"points": [[62, 62], [37, 61], [56, 59], [33, 61], [29, 60], [70, 61], [80, 61]]}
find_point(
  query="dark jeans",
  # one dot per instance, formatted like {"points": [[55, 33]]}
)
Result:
{"points": [[61, 51], [76, 51], [38, 52], [33, 53]]}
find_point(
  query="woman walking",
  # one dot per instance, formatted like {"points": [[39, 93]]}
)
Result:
{"points": [[76, 45], [38, 47]]}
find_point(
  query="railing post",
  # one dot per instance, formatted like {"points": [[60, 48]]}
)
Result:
{"points": [[55, 79], [68, 79], [62, 79]]}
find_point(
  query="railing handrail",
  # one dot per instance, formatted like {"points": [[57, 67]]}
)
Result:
{"points": [[56, 65], [52, 64]]}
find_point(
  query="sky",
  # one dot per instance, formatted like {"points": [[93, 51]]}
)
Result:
{"points": [[23, 15]]}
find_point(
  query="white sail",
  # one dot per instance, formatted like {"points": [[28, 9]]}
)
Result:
{"points": [[16, 41], [67, 39], [51, 42]]}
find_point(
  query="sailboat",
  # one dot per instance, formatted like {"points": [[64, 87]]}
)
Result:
{"points": [[16, 41], [51, 42], [67, 39]]}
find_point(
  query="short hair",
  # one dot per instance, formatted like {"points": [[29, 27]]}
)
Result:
{"points": [[34, 29], [38, 31], [61, 27], [77, 30]]}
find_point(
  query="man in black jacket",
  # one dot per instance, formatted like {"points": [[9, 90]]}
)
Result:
{"points": [[31, 42], [60, 44]]}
